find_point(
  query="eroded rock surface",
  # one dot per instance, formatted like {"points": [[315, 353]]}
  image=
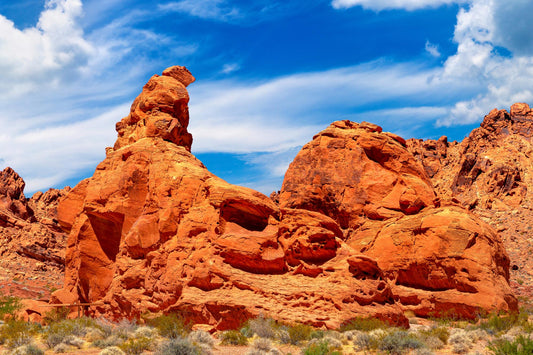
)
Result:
{"points": [[436, 258], [31, 242], [153, 230], [490, 173]]}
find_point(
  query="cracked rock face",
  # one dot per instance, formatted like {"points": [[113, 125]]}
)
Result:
{"points": [[31, 242], [490, 174], [153, 230]]}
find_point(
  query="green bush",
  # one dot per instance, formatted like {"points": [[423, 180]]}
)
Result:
{"points": [[136, 346], [299, 332], [363, 324], [8, 306], [56, 314], [320, 347], [57, 332], [15, 333], [233, 337], [498, 323], [520, 346], [171, 326]]}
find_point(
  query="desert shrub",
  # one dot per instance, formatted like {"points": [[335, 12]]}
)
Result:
{"points": [[30, 349], [500, 323], [363, 324], [15, 333], [201, 337], [74, 341], [56, 314], [111, 341], [365, 341], [442, 333], [399, 341], [171, 326], [263, 327], [423, 351], [112, 350], [460, 342], [299, 333], [55, 333], [136, 346], [125, 328], [105, 326], [262, 346], [61, 348], [233, 337], [8, 306], [432, 342], [179, 346], [320, 347], [283, 336], [94, 334], [318, 334], [144, 331], [520, 346]]}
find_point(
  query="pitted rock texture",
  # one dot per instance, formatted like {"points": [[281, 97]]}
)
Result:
{"points": [[153, 230], [161, 110], [490, 172], [31, 242], [436, 258], [353, 172]]}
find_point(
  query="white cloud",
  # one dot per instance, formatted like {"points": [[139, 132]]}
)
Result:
{"points": [[64, 89], [502, 80], [52, 51], [378, 5], [230, 68], [432, 49], [244, 13], [207, 9], [231, 116], [47, 156]]}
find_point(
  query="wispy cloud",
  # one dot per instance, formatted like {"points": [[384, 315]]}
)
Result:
{"points": [[378, 5], [432, 49], [206, 9], [64, 88], [242, 13], [230, 68]]}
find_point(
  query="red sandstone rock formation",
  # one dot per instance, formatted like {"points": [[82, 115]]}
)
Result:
{"points": [[356, 232], [153, 230], [490, 172], [436, 259], [31, 243]]}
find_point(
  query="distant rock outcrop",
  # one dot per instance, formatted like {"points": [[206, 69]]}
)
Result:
{"points": [[32, 245], [357, 232], [491, 173]]}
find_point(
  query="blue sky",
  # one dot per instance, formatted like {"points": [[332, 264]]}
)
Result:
{"points": [[270, 75]]}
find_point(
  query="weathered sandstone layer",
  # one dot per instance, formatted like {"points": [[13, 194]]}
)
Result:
{"points": [[357, 231]]}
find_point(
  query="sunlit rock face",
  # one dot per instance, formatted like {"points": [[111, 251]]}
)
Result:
{"points": [[153, 230], [490, 173]]}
